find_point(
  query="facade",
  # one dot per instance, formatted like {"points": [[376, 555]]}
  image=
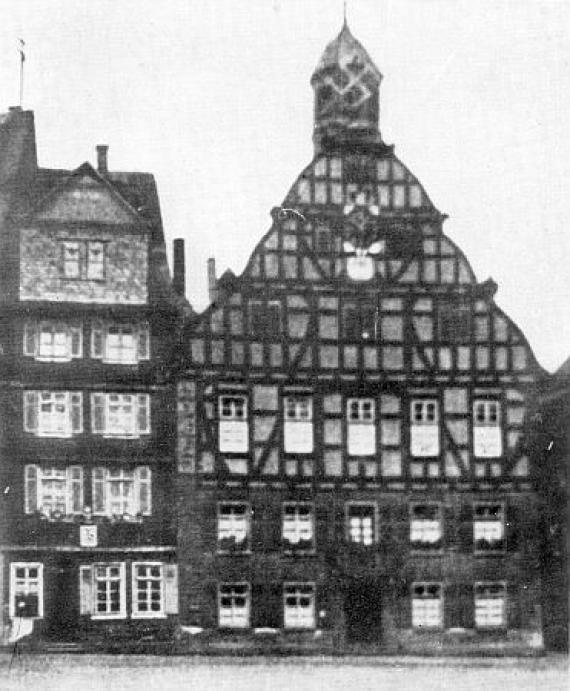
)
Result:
{"points": [[353, 472], [89, 317]]}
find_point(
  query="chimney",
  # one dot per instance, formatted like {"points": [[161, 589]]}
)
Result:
{"points": [[212, 281], [102, 150], [179, 272]]}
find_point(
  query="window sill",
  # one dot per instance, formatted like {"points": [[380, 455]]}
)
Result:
{"points": [[108, 617], [139, 617]]}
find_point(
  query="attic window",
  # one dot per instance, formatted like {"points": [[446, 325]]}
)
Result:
{"points": [[82, 259]]}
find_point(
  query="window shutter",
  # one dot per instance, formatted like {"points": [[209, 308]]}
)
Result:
{"points": [[143, 345], [97, 340], [76, 340], [30, 338], [31, 488], [171, 588], [98, 413], [74, 489], [76, 412], [31, 403], [98, 488], [144, 489], [143, 413], [85, 590]]}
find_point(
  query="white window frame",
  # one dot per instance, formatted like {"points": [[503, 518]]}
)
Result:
{"points": [[237, 617], [426, 533], [424, 428], [298, 426], [357, 531], [234, 523], [122, 580], [105, 407], [107, 480], [71, 333], [293, 615], [489, 528], [40, 422], [423, 614], [102, 349], [26, 586], [487, 429], [361, 426], [137, 580], [233, 431], [298, 525], [485, 610], [35, 491]]}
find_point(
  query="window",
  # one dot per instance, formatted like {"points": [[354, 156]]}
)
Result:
{"points": [[234, 605], [490, 605], [360, 523], [233, 526], [53, 413], [299, 605], [107, 585], [53, 491], [26, 590], [359, 321], [53, 341], [233, 427], [265, 319], [298, 526], [487, 433], [361, 426], [424, 432], [148, 590], [298, 411], [117, 343], [489, 527], [121, 491], [427, 605], [455, 323], [120, 414], [426, 531], [83, 259]]}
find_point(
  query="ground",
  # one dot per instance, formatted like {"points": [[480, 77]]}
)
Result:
{"points": [[139, 672]]}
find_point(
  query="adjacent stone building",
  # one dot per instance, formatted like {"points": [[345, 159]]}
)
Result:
{"points": [[353, 471]]}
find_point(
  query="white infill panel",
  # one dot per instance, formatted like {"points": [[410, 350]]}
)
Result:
{"points": [[233, 436]]}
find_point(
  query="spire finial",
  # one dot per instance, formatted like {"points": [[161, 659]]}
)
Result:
{"points": [[344, 23], [21, 47]]}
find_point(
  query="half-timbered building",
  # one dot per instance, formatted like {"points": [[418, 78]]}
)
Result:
{"points": [[352, 467], [88, 318]]}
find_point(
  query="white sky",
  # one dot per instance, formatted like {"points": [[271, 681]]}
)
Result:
{"points": [[213, 97]]}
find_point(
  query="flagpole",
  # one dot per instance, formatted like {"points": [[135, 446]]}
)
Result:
{"points": [[22, 60]]}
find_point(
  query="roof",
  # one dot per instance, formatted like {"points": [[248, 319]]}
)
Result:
{"points": [[342, 51]]}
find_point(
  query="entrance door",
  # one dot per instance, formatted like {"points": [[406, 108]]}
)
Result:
{"points": [[363, 611], [62, 615]]}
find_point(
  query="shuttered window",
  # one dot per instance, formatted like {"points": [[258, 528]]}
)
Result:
{"points": [[120, 415], [120, 343], [53, 491], [50, 341], [147, 590], [53, 413], [122, 491]]}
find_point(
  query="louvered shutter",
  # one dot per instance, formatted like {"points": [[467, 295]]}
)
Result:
{"points": [[143, 342], [31, 403], [98, 490], [85, 590], [76, 340], [97, 344], [171, 588], [144, 489], [30, 338], [143, 413], [98, 413], [76, 399], [31, 488], [74, 489]]}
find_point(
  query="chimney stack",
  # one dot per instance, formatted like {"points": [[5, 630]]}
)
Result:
{"points": [[212, 281], [179, 271], [102, 150]]}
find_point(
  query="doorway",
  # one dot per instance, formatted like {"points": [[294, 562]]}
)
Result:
{"points": [[363, 611]]}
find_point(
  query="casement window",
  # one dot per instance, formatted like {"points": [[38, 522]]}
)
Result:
{"points": [[264, 319], [361, 426], [102, 590], [299, 605], [83, 259], [118, 343], [424, 428], [489, 527], [298, 413], [233, 526], [359, 321], [26, 590], [53, 491], [51, 341], [490, 604], [148, 590], [427, 605], [298, 526], [487, 432], [234, 605], [361, 524], [53, 413], [426, 526], [122, 491], [455, 323], [120, 414], [233, 426]]}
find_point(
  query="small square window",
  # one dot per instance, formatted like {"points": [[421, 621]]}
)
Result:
{"points": [[361, 524]]}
